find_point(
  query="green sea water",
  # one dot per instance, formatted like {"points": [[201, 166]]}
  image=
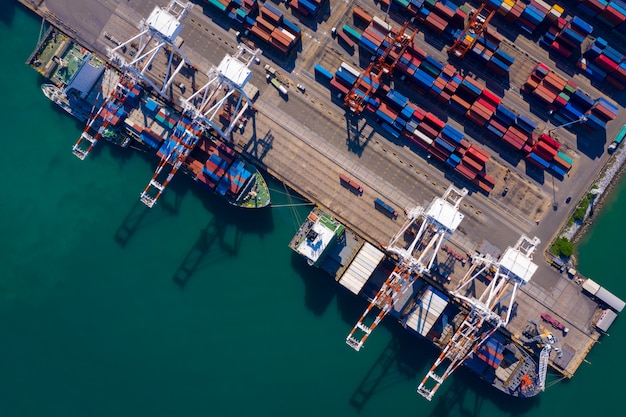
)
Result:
{"points": [[195, 308]]}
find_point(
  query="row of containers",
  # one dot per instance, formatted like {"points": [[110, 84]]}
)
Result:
{"points": [[566, 35], [307, 7], [603, 63], [462, 94], [401, 118], [265, 23], [447, 20], [568, 104]]}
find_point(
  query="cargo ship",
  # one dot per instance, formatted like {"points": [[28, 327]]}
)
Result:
{"points": [[96, 93], [426, 310]]}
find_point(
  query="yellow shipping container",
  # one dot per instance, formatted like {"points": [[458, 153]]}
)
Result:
{"points": [[509, 2]]}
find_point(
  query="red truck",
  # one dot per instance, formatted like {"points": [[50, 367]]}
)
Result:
{"points": [[350, 184]]}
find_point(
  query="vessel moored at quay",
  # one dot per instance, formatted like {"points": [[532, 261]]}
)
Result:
{"points": [[475, 302], [119, 110]]}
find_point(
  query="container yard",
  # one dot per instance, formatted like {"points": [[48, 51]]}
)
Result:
{"points": [[397, 101]]}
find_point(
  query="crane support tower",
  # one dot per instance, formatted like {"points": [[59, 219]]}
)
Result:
{"points": [[159, 32], [434, 225], [382, 64], [223, 100], [514, 269], [476, 25], [215, 108]]}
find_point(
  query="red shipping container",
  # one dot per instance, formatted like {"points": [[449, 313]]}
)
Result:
{"points": [[433, 120], [346, 40], [483, 186], [466, 171], [605, 63], [612, 16], [513, 140], [498, 126], [429, 131], [472, 163], [438, 153], [360, 16], [476, 118], [489, 180], [338, 86], [550, 141], [542, 93], [265, 24], [443, 11], [486, 104], [491, 97], [435, 23], [262, 34], [562, 163]]}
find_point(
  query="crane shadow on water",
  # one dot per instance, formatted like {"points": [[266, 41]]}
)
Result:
{"points": [[196, 257], [136, 219]]}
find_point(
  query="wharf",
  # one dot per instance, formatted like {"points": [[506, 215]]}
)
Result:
{"points": [[306, 142]]}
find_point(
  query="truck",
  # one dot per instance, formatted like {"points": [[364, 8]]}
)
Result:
{"points": [[619, 138], [385, 208], [281, 88], [350, 184]]}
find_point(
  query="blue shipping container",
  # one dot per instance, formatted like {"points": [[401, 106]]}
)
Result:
{"points": [[323, 72]]}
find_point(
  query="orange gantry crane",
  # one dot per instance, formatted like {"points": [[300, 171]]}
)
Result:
{"points": [[370, 78], [476, 25]]}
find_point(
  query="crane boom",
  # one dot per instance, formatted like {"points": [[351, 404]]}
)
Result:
{"points": [[476, 25], [368, 81]]}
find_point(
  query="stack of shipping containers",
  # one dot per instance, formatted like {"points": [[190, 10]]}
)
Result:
{"points": [[567, 101], [566, 37], [603, 63]]}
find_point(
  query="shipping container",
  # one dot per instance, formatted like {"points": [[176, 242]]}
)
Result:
{"points": [[385, 208]]}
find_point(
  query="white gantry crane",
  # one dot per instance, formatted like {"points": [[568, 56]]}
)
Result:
{"points": [[220, 104], [514, 269], [435, 224], [157, 33], [222, 101]]}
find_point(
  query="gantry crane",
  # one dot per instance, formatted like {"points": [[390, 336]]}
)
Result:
{"points": [[226, 88], [435, 224], [106, 115], [383, 64], [473, 30], [547, 342], [157, 33], [223, 98], [514, 269]]}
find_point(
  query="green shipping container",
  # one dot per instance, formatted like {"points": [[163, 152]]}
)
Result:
{"points": [[565, 158], [218, 5], [404, 3], [564, 96], [570, 89], [352, 33]]}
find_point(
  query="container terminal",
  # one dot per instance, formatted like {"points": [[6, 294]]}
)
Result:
{"points": [[403, 99]]}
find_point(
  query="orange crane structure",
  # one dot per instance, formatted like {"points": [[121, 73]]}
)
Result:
{"points": [[383, 64], [476, 25], [513, 270], [434, 224]]}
